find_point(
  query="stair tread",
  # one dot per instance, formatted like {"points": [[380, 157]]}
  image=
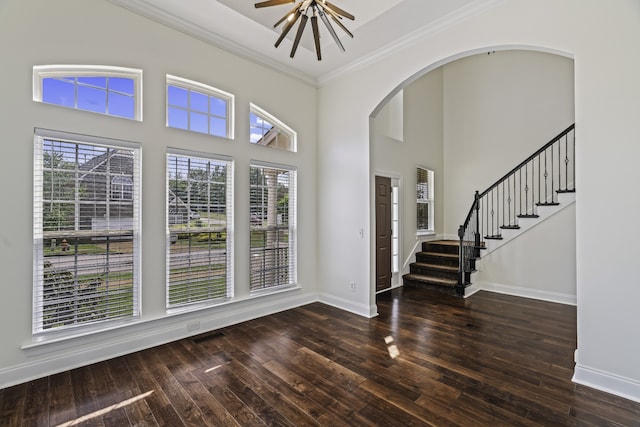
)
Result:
{"points": [[430, 279], [547, 204], [510, 227], [435, 266], [439, 254]]}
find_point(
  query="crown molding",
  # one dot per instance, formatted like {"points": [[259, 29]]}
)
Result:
{"points": [[147, 10], [479, 6]]}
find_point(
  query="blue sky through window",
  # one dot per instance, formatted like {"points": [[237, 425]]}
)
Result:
{"points": [[196, 111], [112, 96]]}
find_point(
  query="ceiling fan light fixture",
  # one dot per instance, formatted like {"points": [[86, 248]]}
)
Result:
{"points": [[320, 8]]}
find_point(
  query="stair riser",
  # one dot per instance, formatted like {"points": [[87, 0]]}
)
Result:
{"points": [[434, 259], [445, 289], [440, 248], [415, 269]]}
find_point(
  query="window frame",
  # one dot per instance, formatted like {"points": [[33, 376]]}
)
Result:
{"points": [[39, 260], [291, 229], [210, 91], [172, 240], [41, 72], [429, 200], [277, 123]]}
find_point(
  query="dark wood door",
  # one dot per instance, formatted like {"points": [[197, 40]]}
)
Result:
{"points": [[383, 232]]}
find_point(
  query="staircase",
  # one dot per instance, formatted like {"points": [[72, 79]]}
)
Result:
{"points": [[436, 267], [513, 204]]}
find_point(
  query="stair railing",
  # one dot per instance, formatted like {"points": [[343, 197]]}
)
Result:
{"points": [[535, 182]]}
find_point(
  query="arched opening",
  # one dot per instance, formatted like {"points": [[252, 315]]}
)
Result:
{"points": [[471, 118]]}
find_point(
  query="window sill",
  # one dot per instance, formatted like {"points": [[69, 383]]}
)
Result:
{"points": [[425, 233]]}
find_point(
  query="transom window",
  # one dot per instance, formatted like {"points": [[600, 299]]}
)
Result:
{"points": [[86, 260], [113, 91], [199, 108], [424, 200], [268, 131], [272, 220], [199, 219]]}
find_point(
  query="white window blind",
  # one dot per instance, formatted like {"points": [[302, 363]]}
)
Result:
{"points": [[199, 226], [113, 91], [424, 200], [273, 227], [86, 242]]}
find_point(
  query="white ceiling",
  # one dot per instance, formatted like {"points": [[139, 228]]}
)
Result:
{"points": [[237, 26]]}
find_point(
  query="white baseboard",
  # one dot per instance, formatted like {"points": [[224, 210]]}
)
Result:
{"points": [[350, 306], [471, 289], [48, 359], [538, 294], [607, 382]]}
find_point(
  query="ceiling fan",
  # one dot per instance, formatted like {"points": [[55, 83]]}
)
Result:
{"points": [[321, 8]]}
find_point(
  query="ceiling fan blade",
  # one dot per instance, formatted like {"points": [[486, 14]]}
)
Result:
{"points": [[337, 10], [272, 3], [303, 23], [316, 35], [291, 12], [287, 27], [324, 18]]}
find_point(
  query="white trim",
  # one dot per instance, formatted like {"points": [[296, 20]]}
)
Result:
{"points": [[368, 311], [538, 294], [471, 289], [41, 72], [607, 382]]}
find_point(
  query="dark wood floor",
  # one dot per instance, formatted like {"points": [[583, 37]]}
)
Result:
{"points": [[427, 359]]}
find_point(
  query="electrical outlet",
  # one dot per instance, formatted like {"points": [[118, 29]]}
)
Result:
{"points": [[193, 326], [352, 286]]}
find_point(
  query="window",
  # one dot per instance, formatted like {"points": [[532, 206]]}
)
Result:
{"points": [[424, 202], [113, 91], [199, 219], [267, 131], [199, 108], [272, 220], [122, 187], [86, 254]]}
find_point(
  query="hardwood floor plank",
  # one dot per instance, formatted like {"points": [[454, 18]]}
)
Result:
{"points": [[36, 406], [160, 405], [61, 402], [12, 405], [136, 408]]}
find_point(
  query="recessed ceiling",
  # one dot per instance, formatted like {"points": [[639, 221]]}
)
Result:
{"points": [[237, 26]]}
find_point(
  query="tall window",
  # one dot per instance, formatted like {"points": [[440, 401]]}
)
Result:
{"points": [[272, 221], [199, 219], [113, 91], [267, 131], [199, 108], [86, 255], [424, 201]]}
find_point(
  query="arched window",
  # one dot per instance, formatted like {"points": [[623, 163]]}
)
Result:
{"points": [[268, 131], [113, 91]]}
